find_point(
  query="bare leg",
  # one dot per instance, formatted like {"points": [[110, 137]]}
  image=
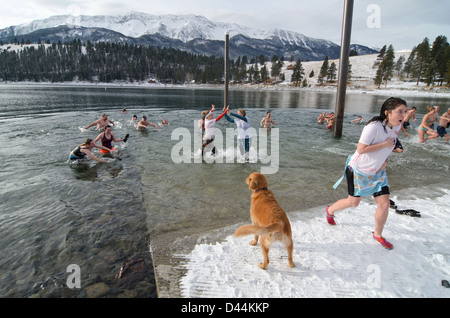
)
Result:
{"points": [[349, 202], [381, 214]]}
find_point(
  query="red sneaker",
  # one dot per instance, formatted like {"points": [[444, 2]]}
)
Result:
{"points": [[330, 218], [383, 242]]}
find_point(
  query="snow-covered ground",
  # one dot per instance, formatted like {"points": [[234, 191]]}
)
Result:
{"points": [[333, 261]]}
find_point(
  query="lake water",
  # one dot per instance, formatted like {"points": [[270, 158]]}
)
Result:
{"points": [[54, 214]]}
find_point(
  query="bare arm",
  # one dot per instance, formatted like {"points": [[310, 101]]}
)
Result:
{"points": [[90, 155], [90, 125]]}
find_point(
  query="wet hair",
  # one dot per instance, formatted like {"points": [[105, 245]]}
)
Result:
{"points": [[107, 126], [87, 142], [204, 113], [389, 105]]}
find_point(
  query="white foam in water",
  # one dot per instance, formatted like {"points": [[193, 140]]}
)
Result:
{"points": [[334, 261]]}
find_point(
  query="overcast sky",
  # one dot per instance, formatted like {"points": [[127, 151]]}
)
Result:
{"points": [[402, 23]]}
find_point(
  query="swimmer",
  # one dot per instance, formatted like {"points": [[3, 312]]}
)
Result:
{"points": [[357, 120], [321, 118], [443, 123], [267, 121], [425, 126], [330, 121], [164, 122], [144, 123], [81, 151], [434, 117], [101, 122], [107, 137], [410, 114]]}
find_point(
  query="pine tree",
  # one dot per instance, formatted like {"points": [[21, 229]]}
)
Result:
{"points": [[331, 73], [297, 74], [421, 59], [436, 66], [399, 65], [385, 68], [323, 71]]}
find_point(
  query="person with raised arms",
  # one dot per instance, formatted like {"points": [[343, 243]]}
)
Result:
{"points": [[209, 124]]}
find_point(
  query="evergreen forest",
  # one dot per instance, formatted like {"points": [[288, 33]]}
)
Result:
{"points": [[107, 62]]}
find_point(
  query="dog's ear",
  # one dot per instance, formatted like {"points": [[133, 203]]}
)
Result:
{"points": [[262, 181]]}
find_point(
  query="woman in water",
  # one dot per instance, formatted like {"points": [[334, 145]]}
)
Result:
{"points": [[366, 168], [244, 134], [425, 126], [107, 138], [210, 122], [81, 151]]}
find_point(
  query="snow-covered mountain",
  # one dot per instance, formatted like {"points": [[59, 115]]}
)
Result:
{"points": [[187, 32]]}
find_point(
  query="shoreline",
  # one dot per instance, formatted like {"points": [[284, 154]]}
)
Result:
{"points": [[401, 89]]}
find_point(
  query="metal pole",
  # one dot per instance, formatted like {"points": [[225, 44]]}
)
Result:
{"points": [[227, 66], [343, 67]]}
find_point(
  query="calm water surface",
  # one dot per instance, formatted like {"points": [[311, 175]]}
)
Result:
{"points": [[53, 214]]}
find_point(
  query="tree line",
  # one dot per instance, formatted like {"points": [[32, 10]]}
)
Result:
{"points": [[107, 62], [429, 64]]}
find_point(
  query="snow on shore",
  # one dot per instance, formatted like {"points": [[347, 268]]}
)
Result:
{"points": [[339, 261]]}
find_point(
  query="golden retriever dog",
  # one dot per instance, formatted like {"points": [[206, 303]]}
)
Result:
{"points": [[270, 222]]}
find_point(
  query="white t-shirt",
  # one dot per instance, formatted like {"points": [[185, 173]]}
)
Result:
{"points": [[243, 128], [209, 128], [373, 133]]}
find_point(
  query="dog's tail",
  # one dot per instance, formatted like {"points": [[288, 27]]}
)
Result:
{"points": [[258, 230]]}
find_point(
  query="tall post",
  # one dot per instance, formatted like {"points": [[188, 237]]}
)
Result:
{"points": [[227, 67], [343, 67]]}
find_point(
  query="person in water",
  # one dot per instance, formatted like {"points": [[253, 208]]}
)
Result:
{"points": [[267, 121], [208, 138], [366, 168], [82, 151], [243, 126], [107, 138], [101, 122], [425, 126], [144, 123], [443, 124]]}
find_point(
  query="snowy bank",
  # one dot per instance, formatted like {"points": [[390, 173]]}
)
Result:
{"points": [[339, 261]]}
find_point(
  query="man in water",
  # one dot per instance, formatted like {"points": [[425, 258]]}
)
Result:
{"points": [[443, 123], [144, 123], [409, 114], [267, 121], [101, 122]]}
